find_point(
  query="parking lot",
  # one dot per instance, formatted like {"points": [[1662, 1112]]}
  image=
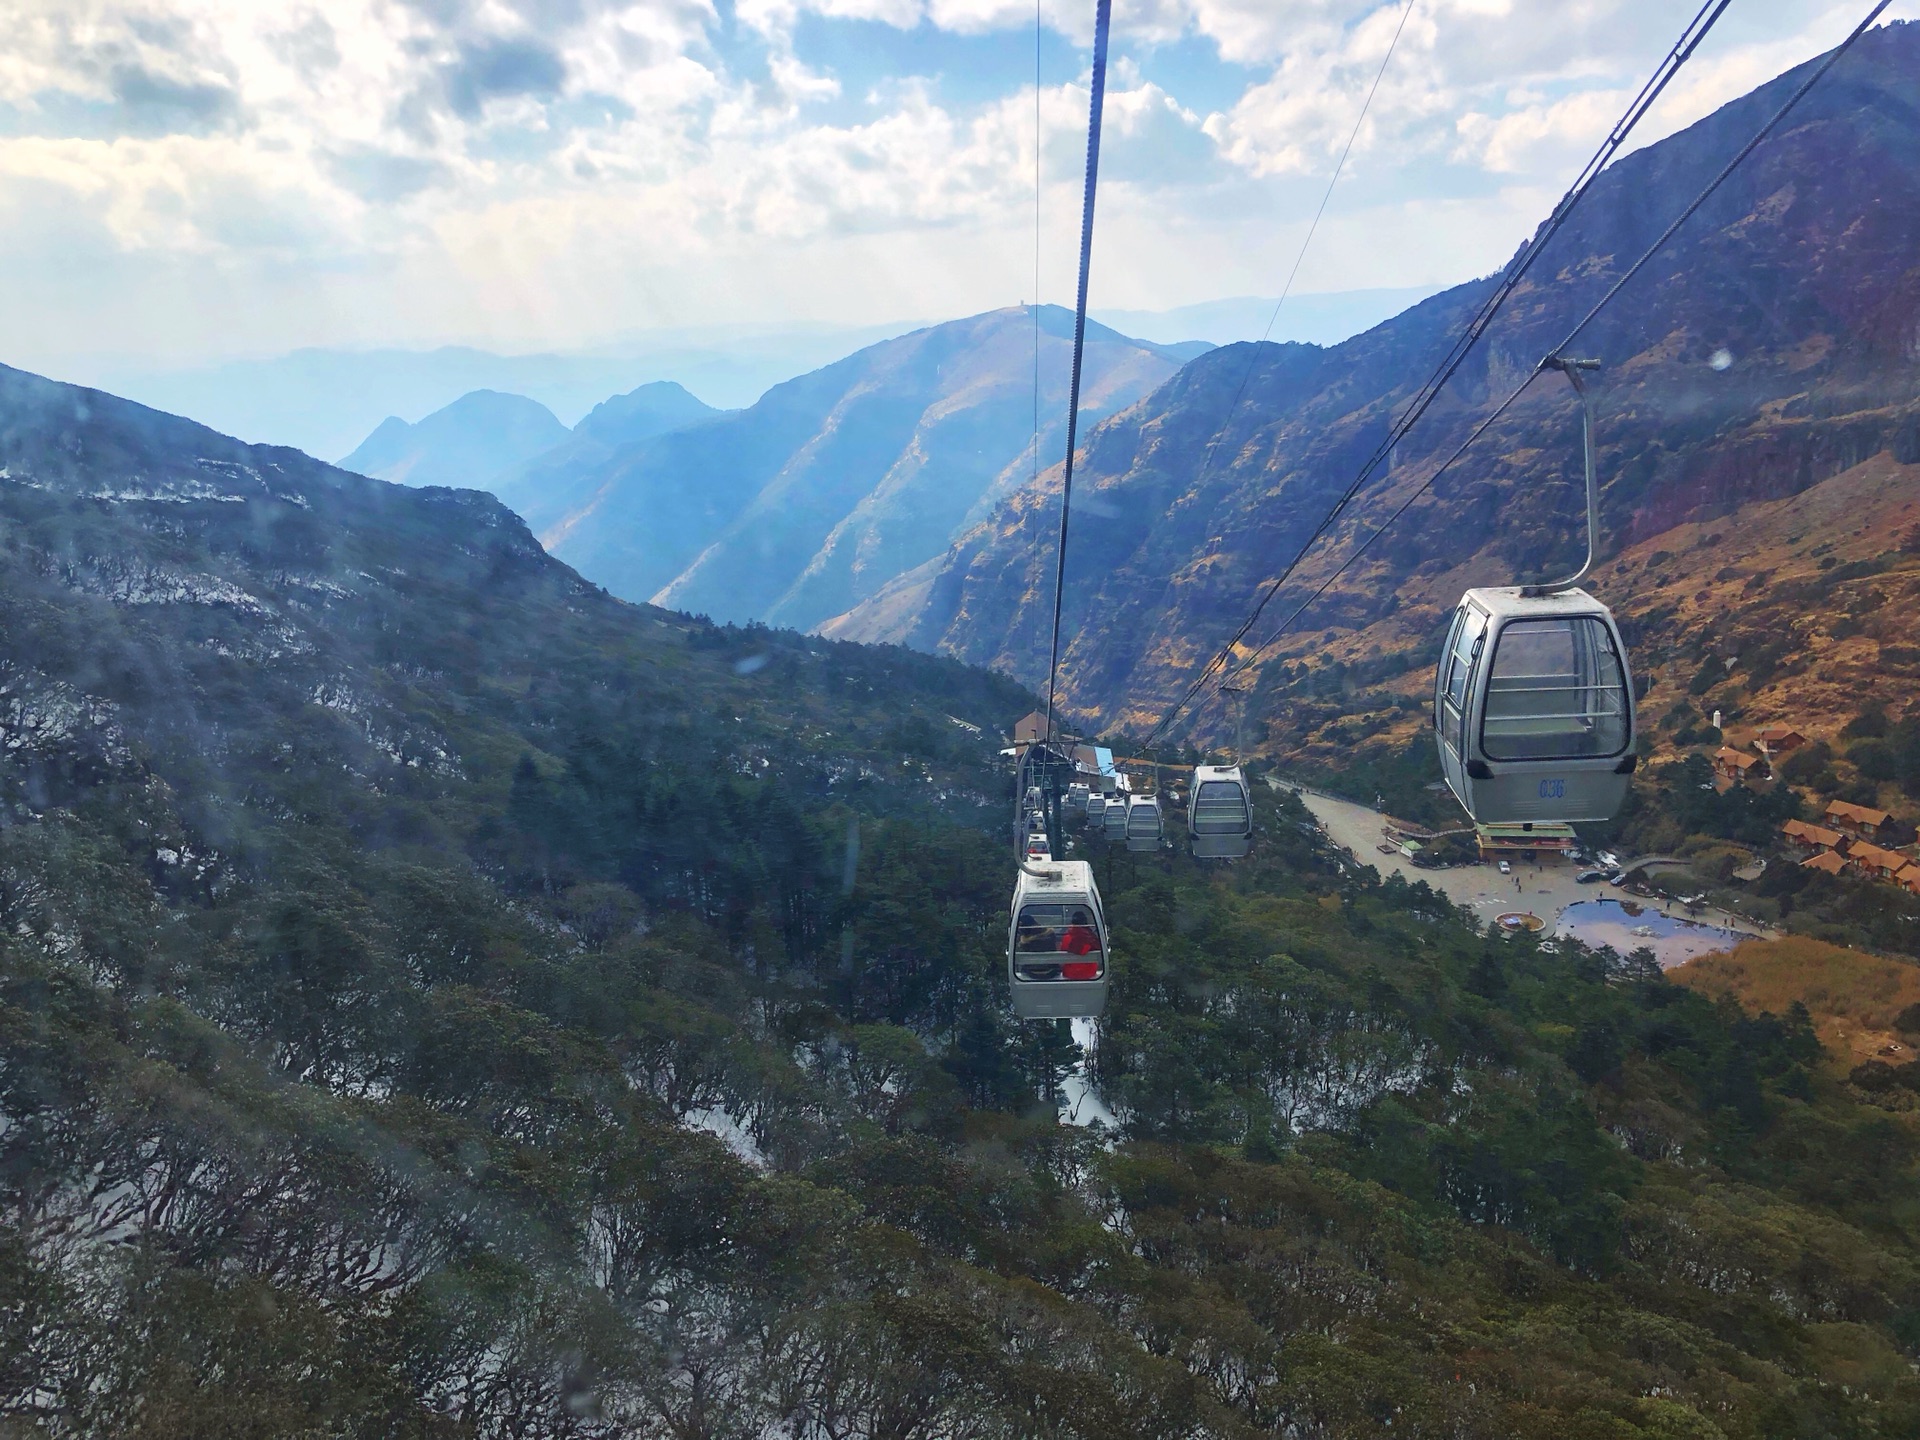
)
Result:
{"points": [[1544, 888]]}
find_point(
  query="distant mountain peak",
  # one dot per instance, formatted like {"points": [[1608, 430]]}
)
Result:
{"points": [[640, 414], [464, 444]]}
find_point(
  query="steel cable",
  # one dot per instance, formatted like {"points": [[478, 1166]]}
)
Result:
{"points": [[1102, 22]]}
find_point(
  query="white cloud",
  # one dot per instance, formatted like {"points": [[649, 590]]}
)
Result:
{"points": [[267, 173]]}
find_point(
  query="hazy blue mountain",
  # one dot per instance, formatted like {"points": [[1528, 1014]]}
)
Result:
{"points": [[324, 401], [642, 414], [799, 507], [560, 480], [463, 445], [1324, 319]]}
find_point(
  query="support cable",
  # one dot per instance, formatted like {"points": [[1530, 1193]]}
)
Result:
{"points": [[1253, 356], [1038, 133], [1102, 23]]}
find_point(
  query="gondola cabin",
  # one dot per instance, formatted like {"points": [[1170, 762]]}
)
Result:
{"points": [[1220, 813], [1533, 708], [1096, 811], [1143, 825], [1114, 818], [1057, 943]]}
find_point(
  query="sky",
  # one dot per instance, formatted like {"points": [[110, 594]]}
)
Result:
{"points": [[187, 182]]}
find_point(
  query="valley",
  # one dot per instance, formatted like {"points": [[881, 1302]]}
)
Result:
{"points": [[507, 936]]}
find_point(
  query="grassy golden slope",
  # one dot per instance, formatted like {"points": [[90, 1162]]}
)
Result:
{"points": [[1853, 996]]}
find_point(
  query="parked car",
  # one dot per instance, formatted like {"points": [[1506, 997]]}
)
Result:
{"points": [[1505, 868], [1591, 877]]}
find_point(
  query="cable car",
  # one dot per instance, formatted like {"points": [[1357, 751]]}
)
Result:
{"points": [[1038, 848], [1057, 942], [1096, 810], [1532, 699], [1533, 707], [1143, 825], [1220, 813], [1076, 799], [1114, 819]]}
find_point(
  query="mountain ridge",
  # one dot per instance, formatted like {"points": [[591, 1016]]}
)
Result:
{"points": [[794, 509]]}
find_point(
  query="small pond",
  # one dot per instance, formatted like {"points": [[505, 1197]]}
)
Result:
{"points": [[1627, 926]]}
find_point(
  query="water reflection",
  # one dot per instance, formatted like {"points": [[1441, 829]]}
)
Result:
{"points": [[1627, 926]]}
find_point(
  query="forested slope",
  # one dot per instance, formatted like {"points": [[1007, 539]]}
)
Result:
{"points": [[439, 1000]]}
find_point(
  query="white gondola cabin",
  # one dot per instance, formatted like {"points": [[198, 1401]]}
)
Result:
{"points": [[1533, 708], [1057, 943], [1143, 825], [1114, 819], [1096, 809], [1220, 813]]}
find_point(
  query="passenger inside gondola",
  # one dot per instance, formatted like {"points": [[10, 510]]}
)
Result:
{"points": [[1055, 930]]}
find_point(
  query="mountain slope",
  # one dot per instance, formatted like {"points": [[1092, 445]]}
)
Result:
{"points": [[1772, 345], [465, 444], [802, 505]]}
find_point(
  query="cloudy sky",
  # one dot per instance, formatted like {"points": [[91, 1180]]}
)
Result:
{"points": [[184, 181]]}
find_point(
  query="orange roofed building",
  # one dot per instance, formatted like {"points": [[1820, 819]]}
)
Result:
{"points": [[1813, 837], [1880, 864], [1861, 820], [1909, 879], [1731, 764], [1826, 862], [1773, 741]]}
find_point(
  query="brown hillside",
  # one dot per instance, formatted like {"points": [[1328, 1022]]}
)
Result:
{"points": [[1810, 604], [1852, 995]]}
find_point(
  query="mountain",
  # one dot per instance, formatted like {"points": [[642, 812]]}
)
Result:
{"points": [[810, 500], [464, 444], [551, 482], [642, 414], [1769, 349], [324, 401], [439, 999]]}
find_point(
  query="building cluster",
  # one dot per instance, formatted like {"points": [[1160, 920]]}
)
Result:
{"points": [[1754, 762], [1856, 838]]}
